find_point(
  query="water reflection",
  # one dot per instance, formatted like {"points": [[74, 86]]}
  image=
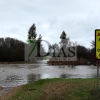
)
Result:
{"points": [[61, 66], [63, 76], [33, 77], [17, 74], [13, 77]]}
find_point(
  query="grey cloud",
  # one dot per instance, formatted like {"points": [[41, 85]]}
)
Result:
{"points": [[78, 18]]}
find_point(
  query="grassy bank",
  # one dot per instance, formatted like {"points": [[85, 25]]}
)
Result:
{"points": [[57, 89]]}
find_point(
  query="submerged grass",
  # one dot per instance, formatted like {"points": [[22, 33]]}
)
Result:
{"points": [[57, 89]]}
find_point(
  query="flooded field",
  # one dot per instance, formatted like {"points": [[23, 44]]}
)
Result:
{"points": [[12, 75]]}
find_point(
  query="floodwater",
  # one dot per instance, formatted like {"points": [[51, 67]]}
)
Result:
{"points": [[12, 75]]}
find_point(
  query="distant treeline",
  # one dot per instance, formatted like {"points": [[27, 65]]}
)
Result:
{"points": [[86, 53], [13, 50]]}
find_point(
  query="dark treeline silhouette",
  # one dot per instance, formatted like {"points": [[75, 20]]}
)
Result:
{"points": [[11, 50], [87, 53]]}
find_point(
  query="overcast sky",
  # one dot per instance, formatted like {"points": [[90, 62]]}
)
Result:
{"points": [[78, 18]]}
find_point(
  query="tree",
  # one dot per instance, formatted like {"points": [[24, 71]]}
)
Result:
{"points": [[32, 32], [11, 49], [93, 44], [93, 56], [81, 52]]}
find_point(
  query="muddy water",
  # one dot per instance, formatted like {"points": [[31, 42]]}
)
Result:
{"points": [[12, 75]]}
